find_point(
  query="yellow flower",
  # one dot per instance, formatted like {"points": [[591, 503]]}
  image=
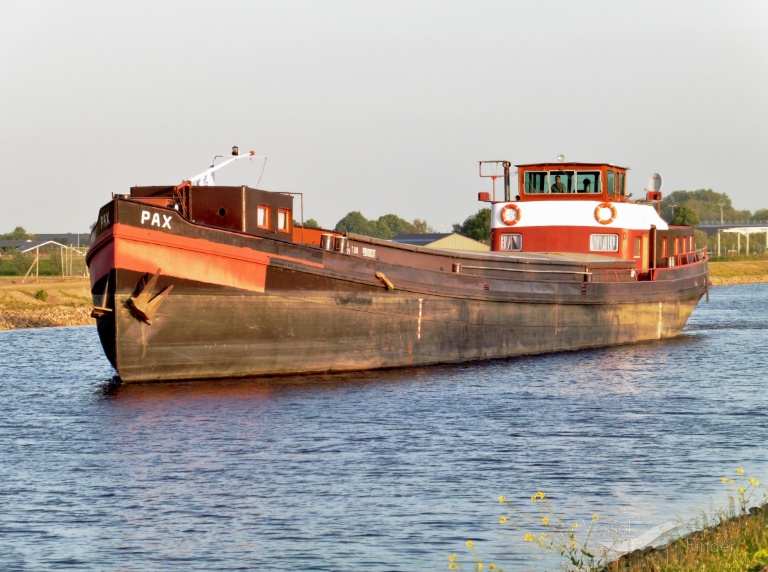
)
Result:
{"points": [[540, 495], [753, 482], [452, 557], [492, 566], [575, 525], [502, 520], [469, 544], [573, 544], [741, 490], [544, 534], [502, 498], [533, 498], [731, 481], [452, 566], [479, 565], [740, 471], [528, 537], [595, 517], [724, 479], [544, 520]]}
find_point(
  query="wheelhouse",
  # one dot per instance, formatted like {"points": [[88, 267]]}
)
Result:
{"points": [[588, 181], [584, 209]]}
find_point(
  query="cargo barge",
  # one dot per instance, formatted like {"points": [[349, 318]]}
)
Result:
{"points": [[193, 281]]}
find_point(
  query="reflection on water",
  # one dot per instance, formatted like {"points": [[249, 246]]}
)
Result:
{"points": [[386, 470]]}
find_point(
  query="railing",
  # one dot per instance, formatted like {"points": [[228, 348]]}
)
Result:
{"points": [[733, 223]]}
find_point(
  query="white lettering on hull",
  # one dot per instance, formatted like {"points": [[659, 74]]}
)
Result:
{"points": [[154, 219]]}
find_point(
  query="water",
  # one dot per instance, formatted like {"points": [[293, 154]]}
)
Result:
{"points": [[377, 471]]}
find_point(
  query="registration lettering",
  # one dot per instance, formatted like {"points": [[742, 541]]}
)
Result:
{"points": [[104, 220], [154, 219]]}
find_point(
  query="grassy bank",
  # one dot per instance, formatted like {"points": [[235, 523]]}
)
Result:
{"points": [[52, 301], [738, 272], [736, 544]]}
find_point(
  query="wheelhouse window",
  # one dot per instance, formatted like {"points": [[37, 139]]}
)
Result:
{"points": [[536, 182], [588, 182], [638, 245], [558, 182], [611, 182], [262, 216], [604, 243], [511, 241], [283, 218]]}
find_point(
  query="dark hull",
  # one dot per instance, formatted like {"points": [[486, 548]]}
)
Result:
{"points": [[247, 306]]}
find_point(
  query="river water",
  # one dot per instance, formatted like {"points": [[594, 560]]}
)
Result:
{"points": [[390, 470]]}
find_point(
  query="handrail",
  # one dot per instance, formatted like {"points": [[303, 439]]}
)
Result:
{"points": [[585, 272]]}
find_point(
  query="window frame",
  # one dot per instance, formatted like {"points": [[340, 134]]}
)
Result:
{"points": [[612, 237], [511, 235], [265, 222]]}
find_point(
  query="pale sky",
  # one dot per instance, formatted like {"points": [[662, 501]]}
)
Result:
{"points": [[376, 106]]}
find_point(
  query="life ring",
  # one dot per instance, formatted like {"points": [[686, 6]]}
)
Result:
{"points": [[510, 214], [598, 210]]}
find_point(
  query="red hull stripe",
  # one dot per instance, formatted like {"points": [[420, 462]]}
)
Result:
{"points": [[144, 250]]}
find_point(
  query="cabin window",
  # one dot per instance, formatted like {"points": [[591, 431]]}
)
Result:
{"points": [[622, 178], [664, 252], [262, 216], [588, 182], [283, 216], [638, 246], [511, 241], [677, 245], [562, 182], [535, 182], [604, 242], [611, 182]]}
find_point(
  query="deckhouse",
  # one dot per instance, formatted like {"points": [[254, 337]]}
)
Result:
{"points": [[584, 208]]}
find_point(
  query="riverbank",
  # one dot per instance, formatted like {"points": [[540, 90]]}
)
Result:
{"points": [[735, 544], [54, 301], [741, 272]]}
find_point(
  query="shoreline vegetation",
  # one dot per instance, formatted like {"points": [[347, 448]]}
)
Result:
{"points": [[55, 301]]}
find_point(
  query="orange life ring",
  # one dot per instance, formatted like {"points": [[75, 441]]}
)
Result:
{"points": [[602, 206], [507, 216]]}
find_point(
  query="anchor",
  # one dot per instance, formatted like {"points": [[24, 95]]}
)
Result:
{"points": [[143, 305], [103, 310]]}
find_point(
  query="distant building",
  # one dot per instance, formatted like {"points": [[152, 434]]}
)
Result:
{"points": [[71, 238], [445, 241], [44, 246]]}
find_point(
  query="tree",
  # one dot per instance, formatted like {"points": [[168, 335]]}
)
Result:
{"points": [[391, 225], [477, 226], [684, 216], [18, 234], [760, 215], [421, 226], [311, 223], [386, 226], [354, 222]]}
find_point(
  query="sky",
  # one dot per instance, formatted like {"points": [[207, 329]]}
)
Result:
{"points": [[373, 106]]}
